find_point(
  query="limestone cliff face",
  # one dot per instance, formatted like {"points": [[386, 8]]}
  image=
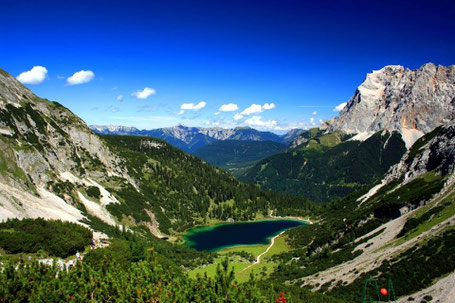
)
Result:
{"points": [[49, 157], [434, 152], [49, 139], [412, 102]]}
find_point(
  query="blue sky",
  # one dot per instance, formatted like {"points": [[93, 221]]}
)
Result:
{"points": [[293, 60]]}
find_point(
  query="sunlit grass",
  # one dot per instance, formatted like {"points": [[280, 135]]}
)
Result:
{"points": [[236, 263]]}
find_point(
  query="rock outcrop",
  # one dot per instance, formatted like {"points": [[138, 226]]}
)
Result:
{"points": [[433, 152], [412, 102]]}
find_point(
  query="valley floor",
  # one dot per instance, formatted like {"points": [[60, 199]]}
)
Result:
{"points": [[243, 267]]}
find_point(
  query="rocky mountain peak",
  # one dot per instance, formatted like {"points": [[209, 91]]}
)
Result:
{"points": [[412, 102], [12, 91]]}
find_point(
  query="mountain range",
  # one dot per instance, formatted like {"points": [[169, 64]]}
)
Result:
{"points": [[190, 139]]}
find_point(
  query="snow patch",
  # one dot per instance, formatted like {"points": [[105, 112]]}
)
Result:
{"points": [[410, 136]]}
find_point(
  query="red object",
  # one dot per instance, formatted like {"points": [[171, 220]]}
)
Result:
{"points": [[281, 298], [383, 291]]}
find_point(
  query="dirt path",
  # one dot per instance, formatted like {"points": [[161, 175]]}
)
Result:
{"points": [[258, 259]]}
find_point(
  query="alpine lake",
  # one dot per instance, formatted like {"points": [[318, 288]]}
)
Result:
{"points": [[221, 236]]}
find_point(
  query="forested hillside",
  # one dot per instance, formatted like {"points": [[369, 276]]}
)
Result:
{"points": [[326, 167], [182, 190], [60, 239]]}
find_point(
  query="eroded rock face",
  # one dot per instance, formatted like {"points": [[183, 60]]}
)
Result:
{"points": [[412, 102], [47, 138], [41, 144], [436, 154]]}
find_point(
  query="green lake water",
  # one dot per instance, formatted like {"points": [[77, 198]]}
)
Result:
{"points": [[217, 237]]}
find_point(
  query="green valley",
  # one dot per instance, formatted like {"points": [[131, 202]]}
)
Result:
{"points": [[237, 156]]}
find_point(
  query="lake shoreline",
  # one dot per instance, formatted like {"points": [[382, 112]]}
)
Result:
{"points": [[189, 236], [267, 218]]}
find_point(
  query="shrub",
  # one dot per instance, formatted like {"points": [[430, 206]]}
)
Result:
{"points": [[93, 191]]}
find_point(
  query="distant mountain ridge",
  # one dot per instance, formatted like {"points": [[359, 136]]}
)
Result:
{"points": [[190, 139]]}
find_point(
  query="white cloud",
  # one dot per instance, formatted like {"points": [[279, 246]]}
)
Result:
{"points": [[228, 107], [144, 94], [315, 113], [254, 108], [119, 97], [257, 108], [340, 107], [312, 121], [238, 117], [191, 106], [268, 106], [257, 121], [80, 77], [34, 76]]}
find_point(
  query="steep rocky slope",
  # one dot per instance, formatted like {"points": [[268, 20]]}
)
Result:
{"points": [[43, 143], [412, 102]]}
